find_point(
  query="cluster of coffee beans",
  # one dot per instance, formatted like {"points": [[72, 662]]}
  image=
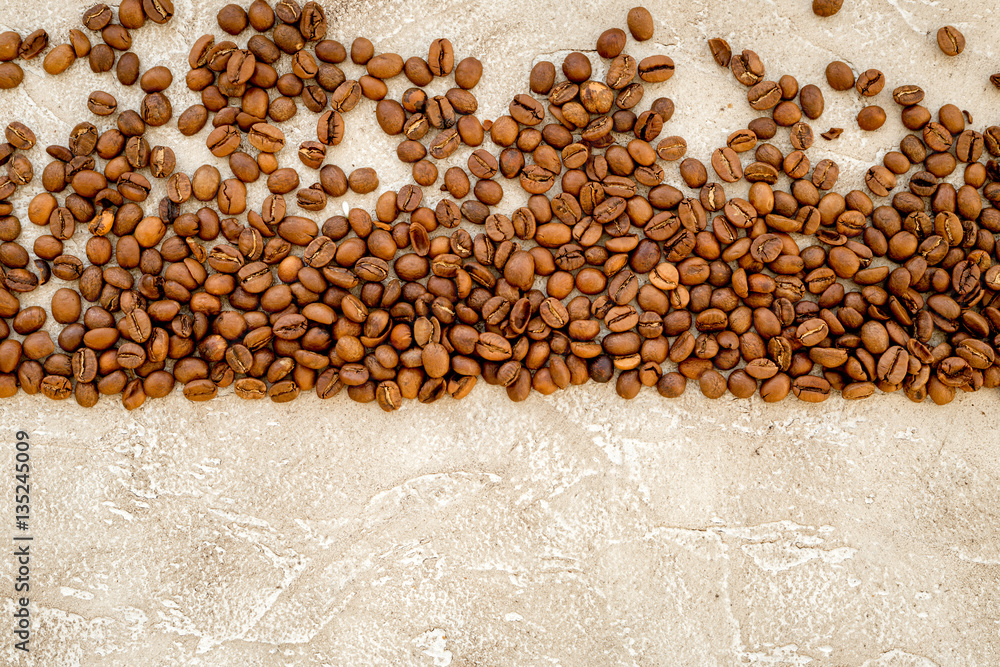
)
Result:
{"points": [[607, 271], [115, 37]]}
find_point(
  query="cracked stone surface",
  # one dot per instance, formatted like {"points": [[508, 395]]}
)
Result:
{"points": [[576, 529]]}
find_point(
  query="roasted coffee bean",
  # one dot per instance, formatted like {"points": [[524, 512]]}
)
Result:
{"points": [[950, 40], [656, 69], [155, 109], [11, 75], [33, 44], [870, 83], [158, 11], [747, 68], [101, 103], [97, 17], [59, 59], [871, 118], [839, 75], [611, 43], [826, 8], [721, 51], [640, 24]]}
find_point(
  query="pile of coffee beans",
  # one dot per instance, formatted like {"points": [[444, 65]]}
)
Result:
{"points": [[608, 272]]}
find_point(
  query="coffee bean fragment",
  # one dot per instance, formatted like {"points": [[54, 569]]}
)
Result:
{"points": [[721, 51]]}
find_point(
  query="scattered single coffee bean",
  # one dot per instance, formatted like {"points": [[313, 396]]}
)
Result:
{"points": [[827, 8], [640, 24], [721, 51], [950, 40]]}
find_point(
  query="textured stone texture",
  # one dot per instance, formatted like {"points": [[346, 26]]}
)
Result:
{"points": [[573, 530]]}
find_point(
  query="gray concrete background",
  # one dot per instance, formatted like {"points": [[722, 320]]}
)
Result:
{"points": [[576, 529]]}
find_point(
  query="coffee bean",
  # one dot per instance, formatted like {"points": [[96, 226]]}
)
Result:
{"points": [[839, 75], [726, 164], [827, 8], [101, 103], [871, 118], [97, 17], [266, 138], [611, 43], [811, 98], [158, 11], [59, 59], [870, 83], [656, 69], [127, 70], [764, 95], [950, 40], [576, 67], [748, 68], [362, 50], [908, 95], [232, 19], [330, 128], [11, 75], [33, 44], [721, 51], [640, 24]]}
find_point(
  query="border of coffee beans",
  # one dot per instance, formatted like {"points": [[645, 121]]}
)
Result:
{"points": [[405, 303]]}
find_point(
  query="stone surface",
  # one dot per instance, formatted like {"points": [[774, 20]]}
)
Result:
{"points": [[576, 529]]}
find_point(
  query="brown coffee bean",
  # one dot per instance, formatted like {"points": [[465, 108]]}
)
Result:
{"points": [[223, 141], [127, 70], [721, 51], [950, 40], [266, 138], [101, 103], [826, 8], [839, 75], [97, 17], [656, 69], [232, 19], [20, 136], [726, 164], [576, 67], [468, 72], [330, 128], [34, 44], [158, 11], [747, 68], [59, 59], [871, 118], [611, 43], [11, 75], [156, 109], [870, 83], [640, 24], [764, 95]]}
